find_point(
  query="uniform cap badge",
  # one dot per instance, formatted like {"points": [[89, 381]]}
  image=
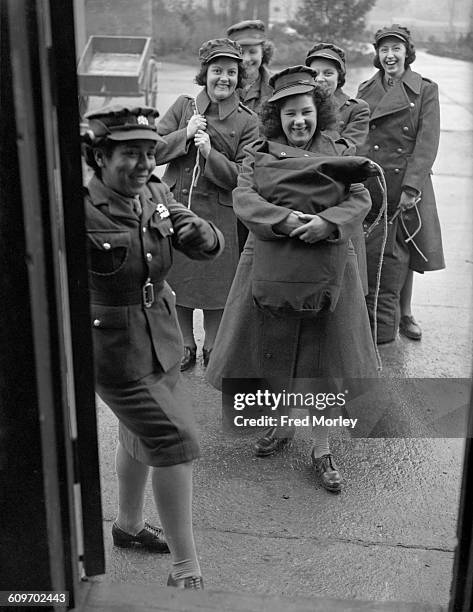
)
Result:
{"points": [[162, 211]]}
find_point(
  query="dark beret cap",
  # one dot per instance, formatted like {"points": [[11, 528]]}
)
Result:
{"points": [[220, 47], [396, 30], [292, 81], [247, 32], [327, 51], [122, 122]]}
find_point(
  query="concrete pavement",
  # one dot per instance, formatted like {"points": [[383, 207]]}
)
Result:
{"points": [[264, 526]]}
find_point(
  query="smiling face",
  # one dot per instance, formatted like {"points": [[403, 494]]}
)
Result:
{"points": [[298, 119], [222, 78], [392, 56], [327, 73], [252, 60], [129, 166]]}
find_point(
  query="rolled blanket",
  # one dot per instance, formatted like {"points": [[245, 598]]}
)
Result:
{"points": [[290, 277]]}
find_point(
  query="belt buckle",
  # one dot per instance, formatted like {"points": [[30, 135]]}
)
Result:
{"points": [[148, 294]]}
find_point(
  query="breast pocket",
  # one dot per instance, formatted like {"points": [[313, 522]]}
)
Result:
{"points": [[162, 231], [108, 250]]}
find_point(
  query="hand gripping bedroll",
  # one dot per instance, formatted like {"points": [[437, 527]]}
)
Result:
{"points": [[290, 277]]}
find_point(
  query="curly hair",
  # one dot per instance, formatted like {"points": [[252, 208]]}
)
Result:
{"points": [[408, 44], [201, 76], [270, 116]]}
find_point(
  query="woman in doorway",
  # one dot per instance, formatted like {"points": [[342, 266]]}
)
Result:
{"points": [[335, 340], [403, 139], [205, 139], [132, 223]]}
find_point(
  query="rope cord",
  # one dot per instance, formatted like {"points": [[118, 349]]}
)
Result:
{"points": [[196, 170], [410, 237], [383, 213]]}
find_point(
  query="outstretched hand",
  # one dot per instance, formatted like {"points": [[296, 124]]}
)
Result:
{"points": [[196, 234]]}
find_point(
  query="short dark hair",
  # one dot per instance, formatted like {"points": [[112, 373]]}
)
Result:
{"points": [[105, 145], [201, 76], [270, 116], [410, 53]]}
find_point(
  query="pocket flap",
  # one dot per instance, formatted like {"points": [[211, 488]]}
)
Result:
{"points": [[109, 317], [105, 240]]}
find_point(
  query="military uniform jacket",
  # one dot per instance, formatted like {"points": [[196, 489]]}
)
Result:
{"points": [[258, 93], [354, 117], [135, 328], [231, 127], [403, 139]]}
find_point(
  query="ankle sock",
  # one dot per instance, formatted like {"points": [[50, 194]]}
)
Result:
{"points": [[185, 569], [320, 447]]}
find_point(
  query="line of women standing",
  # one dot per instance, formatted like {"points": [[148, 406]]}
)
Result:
{"points": [[212, 147], [350, 134]]}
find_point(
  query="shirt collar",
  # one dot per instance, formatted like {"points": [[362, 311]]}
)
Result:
{"points": [[225, 107]]}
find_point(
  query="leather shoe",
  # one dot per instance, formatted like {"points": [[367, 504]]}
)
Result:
{"points": [[194, 582], [188, 358], [206, 356], [270, 443], [150, 538], [327, 472], [409, 327]]}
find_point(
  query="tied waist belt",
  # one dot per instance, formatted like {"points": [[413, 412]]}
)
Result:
{"points": [[146, 295]]}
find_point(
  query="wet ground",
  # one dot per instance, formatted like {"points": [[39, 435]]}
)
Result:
{"points": [[264, 525]]}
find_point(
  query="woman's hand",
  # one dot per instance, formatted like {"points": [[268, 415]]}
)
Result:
{"points": [[314, 229], [290, 223], [407, 200], [202, 142], [196, 122]]}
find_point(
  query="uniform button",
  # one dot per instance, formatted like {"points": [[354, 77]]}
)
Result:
{"points": [[149, 257], [232, 133], [396, 171], [107, 246], [268, 355], [144, 230], [185, 191], [348, 103], [373, 126], [405, 129], [412, 104], [96, 322], [376, 147], [239, 110], [306, 155], [399, 150], [283, 154], [342, 122], [187, 169]]}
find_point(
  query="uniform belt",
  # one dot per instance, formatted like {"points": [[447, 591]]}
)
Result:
{"points": [[145, 296]]}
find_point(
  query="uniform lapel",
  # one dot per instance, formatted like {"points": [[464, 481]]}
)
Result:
{"points": [[340, 98], [393, 100], [118, 206]]}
